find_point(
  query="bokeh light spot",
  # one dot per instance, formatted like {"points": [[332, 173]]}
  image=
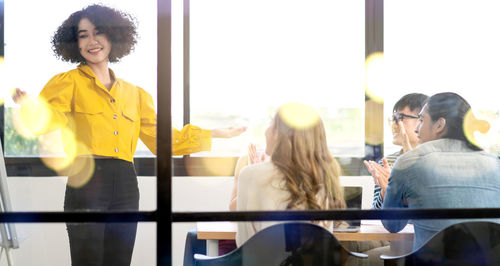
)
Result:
{"points": [[473, 126], [35, 115], [82, 170], [375, 86], [19, 126], [298, 116], [52, 144]]}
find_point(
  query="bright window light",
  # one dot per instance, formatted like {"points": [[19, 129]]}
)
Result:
{"points": [[440, 46], [250, 57]]}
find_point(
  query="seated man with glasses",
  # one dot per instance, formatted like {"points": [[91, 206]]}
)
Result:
{"points": [[403, 122]]}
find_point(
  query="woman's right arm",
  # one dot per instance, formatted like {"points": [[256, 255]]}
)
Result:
{"points": [[47, 112]]}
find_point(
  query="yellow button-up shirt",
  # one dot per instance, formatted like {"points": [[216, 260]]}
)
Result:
{"points": [[109, 123]]}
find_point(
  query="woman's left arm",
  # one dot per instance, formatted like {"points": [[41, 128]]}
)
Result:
{"points": [[148, 120]]}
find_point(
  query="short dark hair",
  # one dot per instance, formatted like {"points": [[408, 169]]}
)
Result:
{"points": [[453, 108], [415, 101], [118, 26]]}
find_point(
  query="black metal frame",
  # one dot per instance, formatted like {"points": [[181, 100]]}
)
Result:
{"points": [[163, 216]]}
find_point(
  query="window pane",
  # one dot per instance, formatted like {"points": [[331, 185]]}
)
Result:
{"points": [[454, 48], [30, 61], [46, 244], [250, 57]]}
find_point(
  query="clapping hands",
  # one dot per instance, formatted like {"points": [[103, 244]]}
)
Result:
{"points": [[379, 173], [253, 156], [405, 139]]}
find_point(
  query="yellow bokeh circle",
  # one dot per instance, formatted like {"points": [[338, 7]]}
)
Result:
{"points": [[298, 116]]}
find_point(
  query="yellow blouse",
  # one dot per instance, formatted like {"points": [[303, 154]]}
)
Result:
{"points": [[108, 123]]}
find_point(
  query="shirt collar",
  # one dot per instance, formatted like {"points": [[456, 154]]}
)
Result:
{"points": [[88, 71]]}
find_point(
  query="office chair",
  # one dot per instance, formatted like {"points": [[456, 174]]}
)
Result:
{"points": [[467, 243], [284, 244]]}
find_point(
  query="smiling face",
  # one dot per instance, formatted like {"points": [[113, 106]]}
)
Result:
{"points": [[409, 124], [93, 44]]}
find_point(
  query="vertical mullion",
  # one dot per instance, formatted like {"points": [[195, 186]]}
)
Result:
{"points": [[374, 110], [164, 135], [186, 63]]}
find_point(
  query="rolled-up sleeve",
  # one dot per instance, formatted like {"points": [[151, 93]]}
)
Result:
{"points": [[191, 139]]}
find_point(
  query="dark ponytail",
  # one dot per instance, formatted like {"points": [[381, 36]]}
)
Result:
{"points": [[460, 121]]}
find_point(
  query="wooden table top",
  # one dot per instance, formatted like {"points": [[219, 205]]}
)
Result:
{"points": [[368, 231]]}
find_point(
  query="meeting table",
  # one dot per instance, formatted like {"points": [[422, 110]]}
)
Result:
{"points": [[401, 242]]}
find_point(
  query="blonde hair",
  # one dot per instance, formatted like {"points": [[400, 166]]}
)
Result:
{"points": [[311, 174]]}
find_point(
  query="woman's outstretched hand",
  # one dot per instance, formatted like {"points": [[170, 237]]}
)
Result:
{"points": [[228, 132]]}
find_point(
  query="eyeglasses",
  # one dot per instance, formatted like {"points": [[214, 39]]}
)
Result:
{"points": [[401, 117]]}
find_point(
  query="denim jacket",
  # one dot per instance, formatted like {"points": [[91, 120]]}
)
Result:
{"points": [[443, 173]]}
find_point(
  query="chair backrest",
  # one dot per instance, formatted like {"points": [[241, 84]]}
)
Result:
{"points": [[296, 243], [467, 243]]}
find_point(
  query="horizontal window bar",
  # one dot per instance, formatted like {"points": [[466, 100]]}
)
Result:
{"points": [[182, 166], [112, 217], [34, 167], [389, 214], [77, 217]]}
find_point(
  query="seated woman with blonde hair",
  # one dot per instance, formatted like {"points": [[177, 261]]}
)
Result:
{"points": [[300, 175]]}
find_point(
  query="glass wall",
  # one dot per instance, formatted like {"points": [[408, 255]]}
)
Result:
{"points": [[247, 58]]}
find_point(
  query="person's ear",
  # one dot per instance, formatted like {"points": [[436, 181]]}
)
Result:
{"points": [[440, 126]]}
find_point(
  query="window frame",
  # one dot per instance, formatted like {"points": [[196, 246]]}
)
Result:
{"points": [[166, 166]]}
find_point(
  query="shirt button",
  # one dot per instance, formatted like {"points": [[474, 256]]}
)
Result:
{"points": [[112, 100], [116, 132], [115, 116], [116, 150]]}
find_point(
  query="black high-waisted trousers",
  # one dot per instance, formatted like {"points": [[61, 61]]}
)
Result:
{"points": [[112, 187]]}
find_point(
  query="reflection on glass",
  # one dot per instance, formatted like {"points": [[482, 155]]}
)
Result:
{"points": [[471, 243], [287, 244]]}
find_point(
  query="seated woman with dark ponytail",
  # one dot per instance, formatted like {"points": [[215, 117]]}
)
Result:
{"points": [[447, 170]]}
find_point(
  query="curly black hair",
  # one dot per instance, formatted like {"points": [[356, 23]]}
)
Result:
{"points": [[118, 26]]}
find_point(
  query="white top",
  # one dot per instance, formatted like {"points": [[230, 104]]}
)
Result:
{"points": [[260, 188]]}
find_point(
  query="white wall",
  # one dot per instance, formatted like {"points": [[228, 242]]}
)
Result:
{"points": [[47, 244]]}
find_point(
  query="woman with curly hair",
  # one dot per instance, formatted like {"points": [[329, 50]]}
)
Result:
{"points": [[301, 175], [105, 115]]}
